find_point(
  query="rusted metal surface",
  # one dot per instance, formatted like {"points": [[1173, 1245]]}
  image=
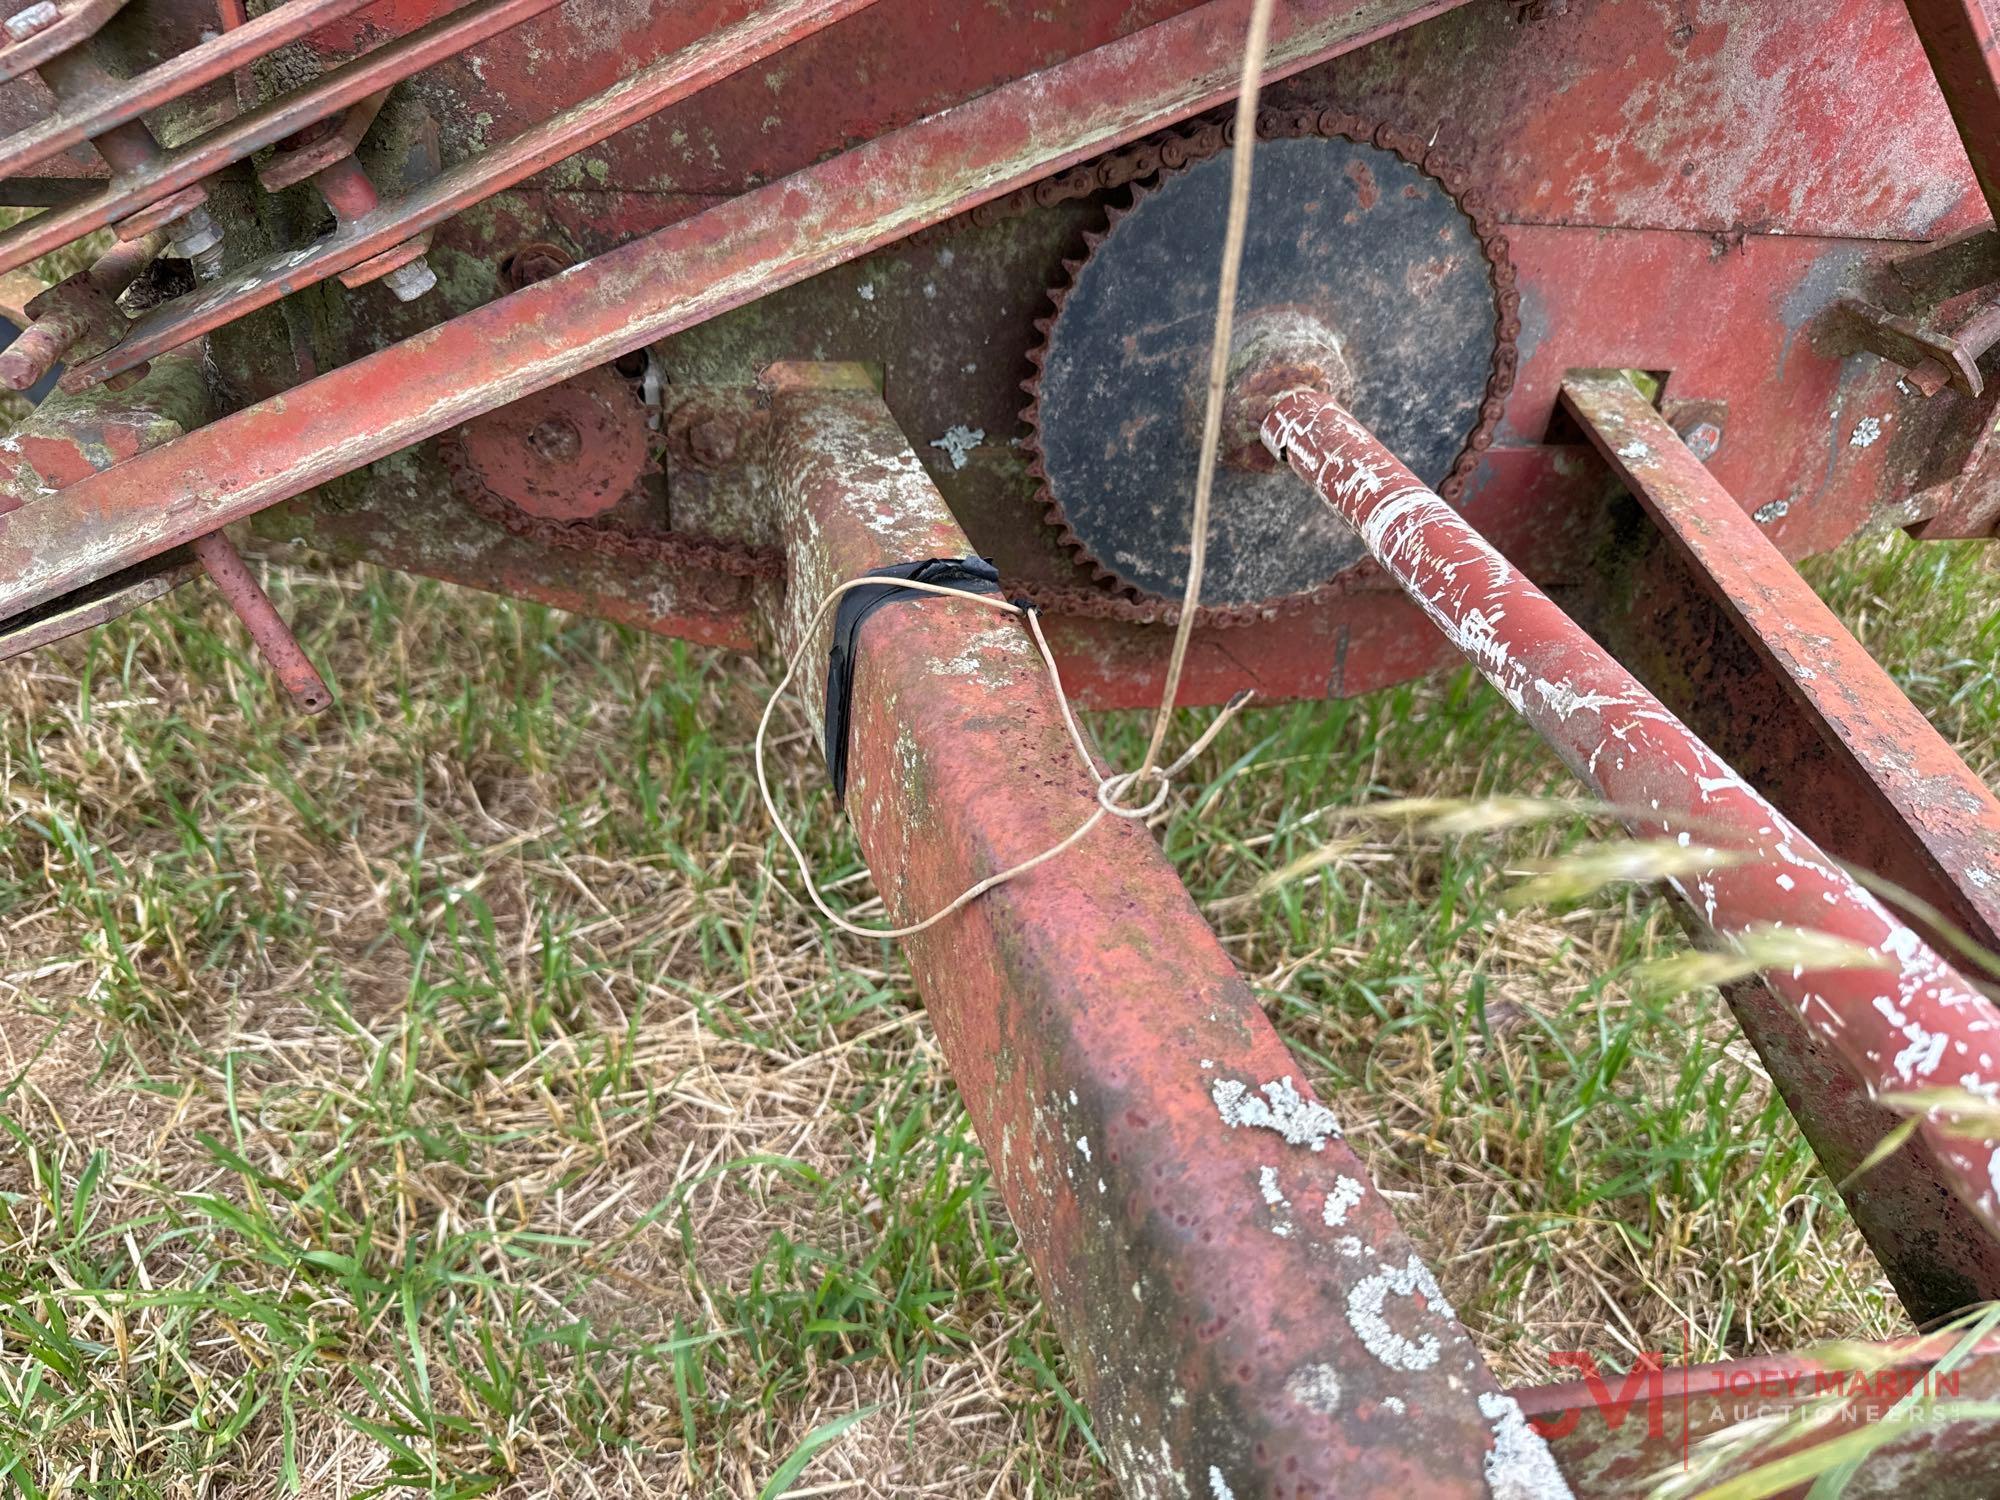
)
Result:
{"points": [[47, 30], [235, 582], [71, 439], [349, 191], [315, 149], [571, 452], [1732, 120], [1617, 1433], [98, 603], [1577, 284], [185, 166], [1356, 225], [1715, 622], [946, 314], [104, 109], [692, 270], [132, 150], [1934, 1251], [1972, 511], [368, 231], [1959, 40], [997, 142], [1243, 1313], [1933, 359], [1908, 1022], [78, 315], [344, 183], [1953, 820]]}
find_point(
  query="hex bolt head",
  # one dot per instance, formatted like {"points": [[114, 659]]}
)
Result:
{"points": [[535, 262], [712, 442], [410, 281], [35, 18], [1702, 437]]}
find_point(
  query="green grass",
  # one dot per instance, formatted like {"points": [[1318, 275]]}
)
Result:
{"points": [[445, 1098]]}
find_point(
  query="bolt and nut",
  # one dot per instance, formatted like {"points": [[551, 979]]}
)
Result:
{"points": [[197, 238], [712, 442], [535, 262]]}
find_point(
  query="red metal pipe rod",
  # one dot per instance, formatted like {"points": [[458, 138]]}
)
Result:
{"points": [[39, 348], [232, 577], [1910, 1025], [1953, 821], [348, 191], [75, 307], [684, 274]]}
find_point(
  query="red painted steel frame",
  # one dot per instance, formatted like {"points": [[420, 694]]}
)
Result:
{"points": [[1909, 1024], [1704, 610], [248, 133], [363, 236], [1244, 1314], [103, 601], [220, 55], [75, 24], [703, 265], [1951, 820]]}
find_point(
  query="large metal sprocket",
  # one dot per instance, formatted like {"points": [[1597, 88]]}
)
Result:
{"points": [[1353, 225]]}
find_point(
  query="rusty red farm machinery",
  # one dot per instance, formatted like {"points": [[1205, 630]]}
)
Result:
{"points": [[683, 316]]}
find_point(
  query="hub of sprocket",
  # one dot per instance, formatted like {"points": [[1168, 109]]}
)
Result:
{"points": [[568, 453]]}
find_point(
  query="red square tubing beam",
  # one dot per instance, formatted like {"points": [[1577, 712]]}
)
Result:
{"points": [[1244, 1315], [1906, 805]]}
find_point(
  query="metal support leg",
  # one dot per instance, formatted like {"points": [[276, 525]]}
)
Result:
{"points": [[1244, 1315], [1909, 1024], [236, 583]]}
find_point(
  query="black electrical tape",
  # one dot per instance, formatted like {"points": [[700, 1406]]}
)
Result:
{"points": [[965, 575]]}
